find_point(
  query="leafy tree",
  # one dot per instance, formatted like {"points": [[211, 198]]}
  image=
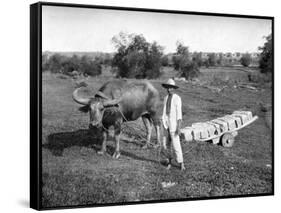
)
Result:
{"points": [[135, 57], [212, 59], [246, 60], [89, 66], [44, 62], [190, 70], [266, 57], [153, 61], [165, 61], [70, 64], [197, 58], [206, 63], [55, 62], [66, 65], [220, 59], [182, 56], [107, 59], [183, 62]]}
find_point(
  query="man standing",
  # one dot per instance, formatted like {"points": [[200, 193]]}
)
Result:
{"points": [[172, 117]]}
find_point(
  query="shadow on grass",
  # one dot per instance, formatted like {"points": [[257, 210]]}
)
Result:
{"points": [[57, 142]]}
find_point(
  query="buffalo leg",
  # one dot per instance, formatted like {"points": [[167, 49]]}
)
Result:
{"points": [[148, 126], [157, 129], [103, 147], [117, 132], [157, 124]]}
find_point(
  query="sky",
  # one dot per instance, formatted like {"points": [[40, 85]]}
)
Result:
{"points": [[83, 29]]}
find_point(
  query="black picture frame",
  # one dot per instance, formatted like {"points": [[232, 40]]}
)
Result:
{"points": [[36, 182]]}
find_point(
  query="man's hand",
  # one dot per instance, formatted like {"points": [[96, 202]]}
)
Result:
{"points": [[178, 127]]}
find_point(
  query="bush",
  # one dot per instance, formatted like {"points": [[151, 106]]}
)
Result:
{"points": [[197, 58], [184, 63], [107, 59], [89, 66], [67, 65], [54, 64], [246, 60], [266, 58], [206, 63], [135, 57], [165, 61], [190, 71], [212, 59]]}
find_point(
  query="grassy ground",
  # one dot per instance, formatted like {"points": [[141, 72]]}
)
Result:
{"points": [[74, 174]]}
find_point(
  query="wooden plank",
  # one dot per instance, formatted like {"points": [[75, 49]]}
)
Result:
{"points": [[243, 117], [196, 133], [206, 130], [223, 124], [237, 120], [216, 127], [188, 133], [246, 115], [230, 122]]}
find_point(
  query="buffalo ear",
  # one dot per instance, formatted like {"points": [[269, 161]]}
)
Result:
{"points": [[84, 108]]}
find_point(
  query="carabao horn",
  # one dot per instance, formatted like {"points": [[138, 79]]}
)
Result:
{"points": [[79, 100], [113, 102]]}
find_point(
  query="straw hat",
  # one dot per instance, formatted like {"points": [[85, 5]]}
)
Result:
{"points": [[170, 84]]}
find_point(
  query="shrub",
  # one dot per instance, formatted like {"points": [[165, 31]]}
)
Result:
{"points": [[212, 59], [176, 62], [89, 66], [107, 59], [246, 60], [197, 58], [266, 58], [184, 63], [190, 70], [68, 65], [165, 61], [44, 62], [206, 63], [54, 64]]}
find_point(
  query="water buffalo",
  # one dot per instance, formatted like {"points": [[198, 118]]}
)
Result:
{"points": [[118, 101]]}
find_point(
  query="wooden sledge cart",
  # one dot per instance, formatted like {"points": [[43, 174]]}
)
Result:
{"points": [[223, 129]]}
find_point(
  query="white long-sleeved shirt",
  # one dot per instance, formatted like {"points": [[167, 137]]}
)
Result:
{"points": [[170, 121]]}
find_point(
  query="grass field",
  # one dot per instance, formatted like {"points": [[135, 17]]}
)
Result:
{"points": [[74, 174]]}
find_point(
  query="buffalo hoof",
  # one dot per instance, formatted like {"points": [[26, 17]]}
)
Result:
{"points": [[168, 167], [116, 155], [101, 152], [145, 146], [156, 146]]}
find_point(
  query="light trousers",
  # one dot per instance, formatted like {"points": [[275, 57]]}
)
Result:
{"points": [[171, 143]]}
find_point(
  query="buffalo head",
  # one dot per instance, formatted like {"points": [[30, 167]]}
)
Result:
{"points": [[95, 106]]}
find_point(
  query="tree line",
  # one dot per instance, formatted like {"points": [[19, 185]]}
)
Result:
{"points": [[135, 57]]}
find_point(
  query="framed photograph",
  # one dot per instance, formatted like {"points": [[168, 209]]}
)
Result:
{"points": [[134, 105]]}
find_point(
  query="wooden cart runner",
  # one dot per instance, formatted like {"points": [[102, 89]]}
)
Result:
{"points": [[222, 129]]}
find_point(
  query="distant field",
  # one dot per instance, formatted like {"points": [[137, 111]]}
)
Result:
{"points": [[74, 174]]}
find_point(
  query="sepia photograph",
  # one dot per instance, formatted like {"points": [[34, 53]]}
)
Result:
{"points": [[143, 106]]}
